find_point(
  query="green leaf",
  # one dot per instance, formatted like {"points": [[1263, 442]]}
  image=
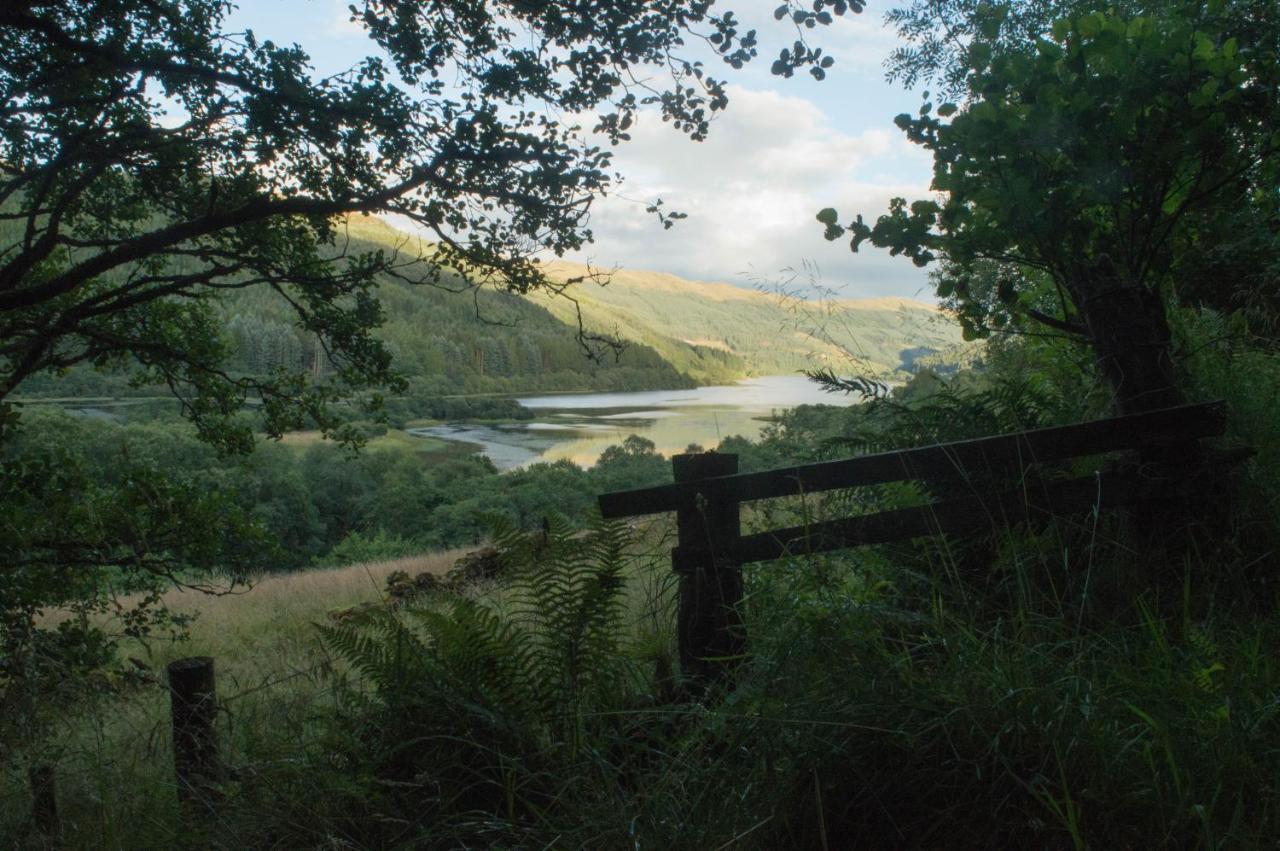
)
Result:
{"points": [[983, 110], [1204, 47], [989, 21], [1090, 25], [1139, 27], [1207, 93], [828, 216]]}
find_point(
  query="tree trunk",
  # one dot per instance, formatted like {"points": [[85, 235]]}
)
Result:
{"points": [[1130, 333], [1127, 325]]}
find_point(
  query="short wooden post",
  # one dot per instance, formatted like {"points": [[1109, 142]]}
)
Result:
{"points": [[709, 625], [44, 799], [194, 708]]}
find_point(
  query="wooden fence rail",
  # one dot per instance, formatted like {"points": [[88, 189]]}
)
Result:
{"points": [[708, 491]]}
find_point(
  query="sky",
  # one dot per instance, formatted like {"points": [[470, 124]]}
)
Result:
{"points": [[784, 149]]}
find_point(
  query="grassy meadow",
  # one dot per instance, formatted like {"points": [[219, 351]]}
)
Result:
{"points": [[113, 750], [277, 684], [429, 448]]}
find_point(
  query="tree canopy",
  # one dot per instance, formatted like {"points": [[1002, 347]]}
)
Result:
{"points": [[1083, 157], [149, 158], [152, 160]]}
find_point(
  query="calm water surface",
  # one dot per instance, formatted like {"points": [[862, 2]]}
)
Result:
{"points": [[579, 426]]}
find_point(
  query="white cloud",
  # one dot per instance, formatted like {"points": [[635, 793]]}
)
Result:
{"points": [[340, 24], [862, 42], [751, 192]]}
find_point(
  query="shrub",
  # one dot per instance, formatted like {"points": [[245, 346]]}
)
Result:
{"points": [[358, 548]]}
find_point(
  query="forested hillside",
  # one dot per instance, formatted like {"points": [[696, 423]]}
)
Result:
{"points": [[772, 332], [447, 338]]}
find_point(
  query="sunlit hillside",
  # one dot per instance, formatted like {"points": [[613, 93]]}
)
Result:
{"points": [[677, 333], [711, 331], [772, 332]]}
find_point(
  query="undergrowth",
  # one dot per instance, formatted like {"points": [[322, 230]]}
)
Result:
{"points": [[1079, 683]]}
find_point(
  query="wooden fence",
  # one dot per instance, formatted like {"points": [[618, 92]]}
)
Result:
{"points": [[992, 481]]}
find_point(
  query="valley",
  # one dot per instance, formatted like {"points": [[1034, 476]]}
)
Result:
{"points": [[447, 339]]}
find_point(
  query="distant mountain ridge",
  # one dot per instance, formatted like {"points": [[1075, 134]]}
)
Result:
{"points": [[771, 333], [678, 333], [709, 331]]}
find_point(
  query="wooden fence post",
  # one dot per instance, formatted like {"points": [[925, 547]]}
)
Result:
{"points": [[194, 707], [709, 626]]}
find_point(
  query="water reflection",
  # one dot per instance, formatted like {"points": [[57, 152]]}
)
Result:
{"points": [[579, 426]]}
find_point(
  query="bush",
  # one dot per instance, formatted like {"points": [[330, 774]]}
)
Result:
{"points": [[357, 548]]}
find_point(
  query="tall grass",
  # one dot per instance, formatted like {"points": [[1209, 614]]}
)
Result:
{"points": [[927, 727], [888, 702], [112, 752]]}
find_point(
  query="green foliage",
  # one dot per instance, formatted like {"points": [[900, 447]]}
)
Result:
{"points": [[357, 548], [1106, 736], [990, 297], [1225, 360], [83, 525], [474, 709], [1155, 92], [937, 36], [297, 505], [1080, 166], [1016, 383], [630, 464]]}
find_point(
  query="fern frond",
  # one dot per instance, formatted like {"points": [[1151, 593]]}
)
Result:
{"points": [[542, 668]]}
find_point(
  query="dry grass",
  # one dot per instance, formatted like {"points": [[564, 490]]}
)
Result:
{"points": [[275, 689], [302, 438], [112, 753], [300, 441], [251, 630], [307, 593]]}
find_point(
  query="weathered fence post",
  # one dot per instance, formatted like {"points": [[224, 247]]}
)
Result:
{"points": [[44, 799], [194, 708], [709, 626]]}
